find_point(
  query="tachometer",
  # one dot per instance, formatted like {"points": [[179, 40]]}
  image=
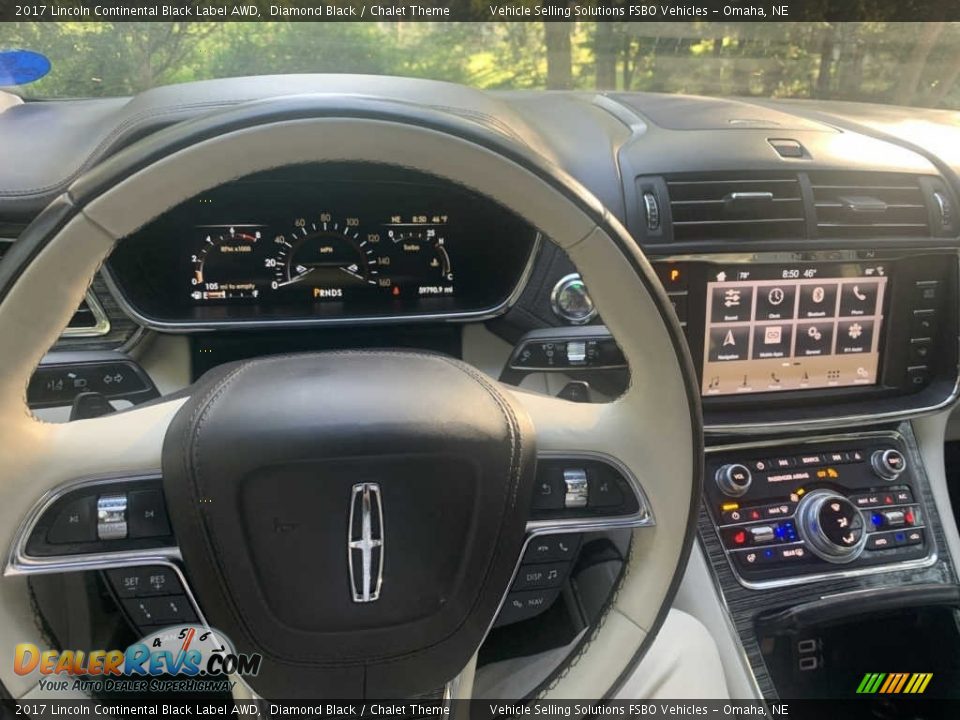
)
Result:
{"points": [[224, 268], [327, 256]]}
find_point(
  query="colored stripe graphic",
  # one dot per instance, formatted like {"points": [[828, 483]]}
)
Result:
{"points": [[894, 683]]}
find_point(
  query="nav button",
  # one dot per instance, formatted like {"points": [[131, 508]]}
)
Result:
{"points": [[729, 343]]}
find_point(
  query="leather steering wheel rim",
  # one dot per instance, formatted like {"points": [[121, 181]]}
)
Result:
{"points": [[655, 429]]}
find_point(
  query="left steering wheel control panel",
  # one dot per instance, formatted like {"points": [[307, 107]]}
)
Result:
{"points": [[788, 514], [102, 517]]}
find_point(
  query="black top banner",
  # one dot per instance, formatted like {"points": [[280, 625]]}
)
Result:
{"points": [[479, 10]]}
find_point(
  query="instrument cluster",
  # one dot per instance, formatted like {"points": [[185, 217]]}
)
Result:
{"points": [[325, 243]]}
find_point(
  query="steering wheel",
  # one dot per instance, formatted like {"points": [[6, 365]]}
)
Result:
{"points": [[438, 457]]}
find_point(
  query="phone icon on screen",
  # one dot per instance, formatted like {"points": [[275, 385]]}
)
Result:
{"points": [[857, 294]]}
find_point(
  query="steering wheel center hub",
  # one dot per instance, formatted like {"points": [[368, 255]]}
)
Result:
{"points": [[354, 517]]}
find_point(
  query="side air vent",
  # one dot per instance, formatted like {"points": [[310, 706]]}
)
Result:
{"points": [[869, 205], [740, 206], [90, 320]]}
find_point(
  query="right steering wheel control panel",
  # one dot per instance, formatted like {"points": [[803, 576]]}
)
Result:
{"points": [[785, 513]]}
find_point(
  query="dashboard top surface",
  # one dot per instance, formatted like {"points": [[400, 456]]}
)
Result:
{"points": [[580, 132]]}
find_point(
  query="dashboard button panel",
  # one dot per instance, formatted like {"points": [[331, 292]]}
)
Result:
{"points": [[815, 510]]}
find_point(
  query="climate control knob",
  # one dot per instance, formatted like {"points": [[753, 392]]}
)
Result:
{"points": [[888, 463], [832, 526], [734, 479]]}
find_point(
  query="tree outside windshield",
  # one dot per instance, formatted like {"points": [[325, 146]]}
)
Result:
{"points": [[898, 63]]}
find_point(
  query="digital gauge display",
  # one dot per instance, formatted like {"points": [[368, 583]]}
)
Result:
{"points": [[322, 257], [325, 242]]}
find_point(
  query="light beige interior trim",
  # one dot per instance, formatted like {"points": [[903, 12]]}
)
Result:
{"points": [[648, 429]]}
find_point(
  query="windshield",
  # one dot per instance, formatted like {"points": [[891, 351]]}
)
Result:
{"points": [[897, 63]]}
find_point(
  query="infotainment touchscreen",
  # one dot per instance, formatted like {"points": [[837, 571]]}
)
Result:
{"points": [[776, 328]]}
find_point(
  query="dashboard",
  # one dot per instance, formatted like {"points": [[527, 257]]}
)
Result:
{"points": [[333, 243], [812, 265]]}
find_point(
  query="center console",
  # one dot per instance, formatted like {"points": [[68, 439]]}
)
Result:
{"points": [[818, 520]]}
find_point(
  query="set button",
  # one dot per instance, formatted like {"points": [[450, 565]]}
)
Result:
{"points": [[144, 581]]}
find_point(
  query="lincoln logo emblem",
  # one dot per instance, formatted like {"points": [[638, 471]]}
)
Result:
{"points": [[365, 542]]}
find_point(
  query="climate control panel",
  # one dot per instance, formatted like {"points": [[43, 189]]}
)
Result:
{"points": [[784, 513]]}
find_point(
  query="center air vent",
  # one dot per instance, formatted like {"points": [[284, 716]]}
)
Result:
{"points": [[742, 206], [868, 205]]}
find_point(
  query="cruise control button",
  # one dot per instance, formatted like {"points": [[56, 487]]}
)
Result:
{"points": [[160, 610], [545, 575], [551, 547], [147, 513], [76, 522], [152, 580], [160, 581], [125, 581]]}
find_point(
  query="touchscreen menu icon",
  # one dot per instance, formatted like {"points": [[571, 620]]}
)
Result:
{"points": [[771, 341], [858, 299], [776, 302], [731, 304], [729, 343], [854, 336], [817, 301], [814, 339]]}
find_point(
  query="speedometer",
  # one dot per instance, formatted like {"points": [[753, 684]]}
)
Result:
{"points": [[327, 257]]}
